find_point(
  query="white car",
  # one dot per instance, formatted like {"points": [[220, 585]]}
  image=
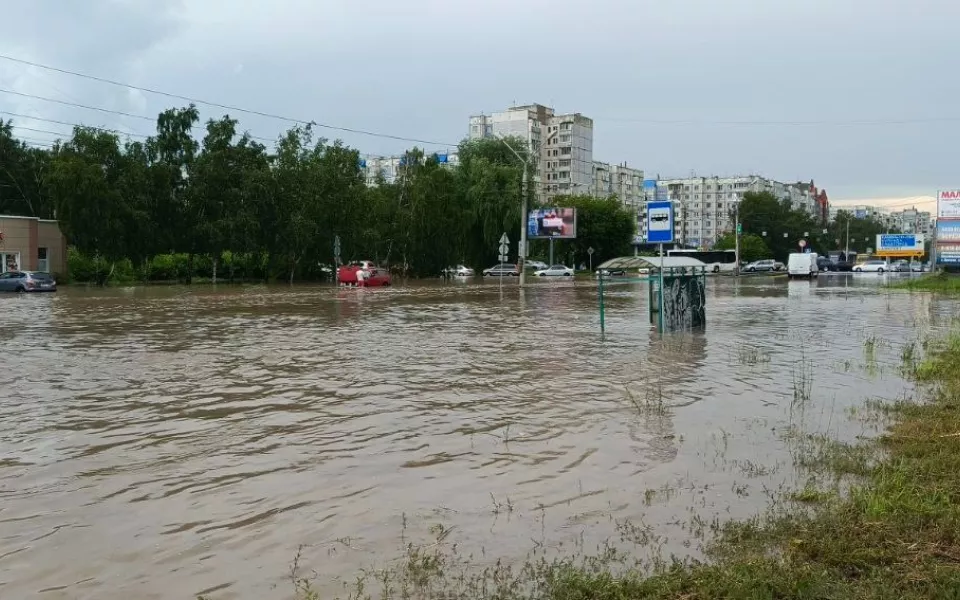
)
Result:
{"points": [[536, 265], [872, 266], [462, 271], [555, 271]]}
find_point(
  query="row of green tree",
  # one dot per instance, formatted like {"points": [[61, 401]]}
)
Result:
{"points": [[178, 206], [772, 228]]}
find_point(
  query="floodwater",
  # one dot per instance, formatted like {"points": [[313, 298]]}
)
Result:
{"points": [[163, 442]]}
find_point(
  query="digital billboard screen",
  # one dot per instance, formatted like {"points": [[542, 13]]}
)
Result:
{"points": [[557, 223]]}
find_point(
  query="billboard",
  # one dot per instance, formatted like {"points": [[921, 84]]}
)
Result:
{"points": [[557, 223], [899, 244], [860, 213], [948, 204]]}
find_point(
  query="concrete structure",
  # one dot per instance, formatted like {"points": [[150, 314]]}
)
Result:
{"points": [[388, 167], [911, 220], [31, 244], [704, 205], [562, 146], [621, 181]]}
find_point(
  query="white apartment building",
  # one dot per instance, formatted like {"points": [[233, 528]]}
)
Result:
{"points": [[388, 167], [561, 144], [621, 181], [703, 205], [911, 220]]}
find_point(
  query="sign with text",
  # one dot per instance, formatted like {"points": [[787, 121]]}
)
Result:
{"points": [[899, 244], [660, 222], [948, 204], [558, 223]]}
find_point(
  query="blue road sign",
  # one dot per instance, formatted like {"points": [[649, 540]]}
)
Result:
{"points": [[660, 222]]}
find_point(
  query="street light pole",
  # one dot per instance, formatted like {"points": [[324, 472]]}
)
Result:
{"points": [[521, 253]]}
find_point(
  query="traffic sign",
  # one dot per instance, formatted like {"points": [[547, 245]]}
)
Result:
{"points": [[803, 243], [504, 249], [739, 228], [504, 239], [590, 250], [660, 222], [504, 258]]}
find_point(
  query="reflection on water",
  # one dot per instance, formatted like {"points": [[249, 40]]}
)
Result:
{"points": [[167, 441]]}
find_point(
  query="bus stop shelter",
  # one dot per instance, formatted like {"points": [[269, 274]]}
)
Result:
{"points": [[676, 292]]}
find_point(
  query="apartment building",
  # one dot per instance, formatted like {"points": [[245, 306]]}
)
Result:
{"points": [[387, 168], [911, 220], [562, 146], [624, 182]]}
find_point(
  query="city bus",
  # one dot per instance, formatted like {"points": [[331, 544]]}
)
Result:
{"points": [[716, 260]]}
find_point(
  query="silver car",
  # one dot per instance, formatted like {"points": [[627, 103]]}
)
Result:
{"points": [[27, 281]]}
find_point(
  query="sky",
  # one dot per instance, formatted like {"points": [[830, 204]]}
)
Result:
{"points": [[858, 95]]}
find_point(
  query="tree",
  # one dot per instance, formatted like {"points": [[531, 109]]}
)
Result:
{"points": [[85, 183], [778, 224], [862, 232], [23, 173], [752, 247], [602, 224]]}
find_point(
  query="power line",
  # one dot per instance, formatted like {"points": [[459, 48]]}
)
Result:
{"points": [[222, 106], [77, 105], [68, 124]]}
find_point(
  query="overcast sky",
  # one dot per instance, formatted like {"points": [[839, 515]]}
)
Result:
{"points": [[862, 96]]}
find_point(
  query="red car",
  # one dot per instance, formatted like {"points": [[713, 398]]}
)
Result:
{"points": [[363, 274]]}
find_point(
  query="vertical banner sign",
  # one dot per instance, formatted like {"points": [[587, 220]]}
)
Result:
{"points": [[660, 222], [948, 227]]}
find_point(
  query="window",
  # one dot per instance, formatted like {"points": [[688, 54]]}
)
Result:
{"points": [[564, 163], [9, 261], [565, 150], [43, 263]]}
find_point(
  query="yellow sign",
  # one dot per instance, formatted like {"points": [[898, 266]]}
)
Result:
{"points": [[898, 253]]}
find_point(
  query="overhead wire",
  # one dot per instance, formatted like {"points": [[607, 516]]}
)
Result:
{"points": [[223, 106]]}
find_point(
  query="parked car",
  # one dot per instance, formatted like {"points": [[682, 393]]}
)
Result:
{"points": [[612, 272], [363, 273], [555, 271], [536, 265], [27, 281], [763, 265], [872, 266], [825, 264], [900, 266], [459, 271], [503, 269]]}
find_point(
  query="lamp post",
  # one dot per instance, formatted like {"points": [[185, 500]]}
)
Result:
{"points": [[521, 252]]}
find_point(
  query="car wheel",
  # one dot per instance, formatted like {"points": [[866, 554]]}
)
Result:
{"points": [[21, 290], [716, 268], [752, 270], [566, 274], [880, 270], [858, 270]]}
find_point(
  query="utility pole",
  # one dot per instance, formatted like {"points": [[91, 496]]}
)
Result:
{"points": [[521, 254], [522, 250], [736, 237], [847, 250]]}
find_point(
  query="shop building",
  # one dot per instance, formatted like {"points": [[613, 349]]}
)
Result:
{"points": [[31, 244]]}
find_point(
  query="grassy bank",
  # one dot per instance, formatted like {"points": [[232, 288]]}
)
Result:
{"points": [[940, 282]]}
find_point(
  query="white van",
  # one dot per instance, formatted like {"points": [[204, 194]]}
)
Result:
{"points": [[802, 264]]}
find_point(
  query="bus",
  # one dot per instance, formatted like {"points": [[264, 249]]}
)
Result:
{"points": [[716, 260]]}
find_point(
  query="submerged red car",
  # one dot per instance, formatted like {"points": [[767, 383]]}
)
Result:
{"points": [[363, 274]]}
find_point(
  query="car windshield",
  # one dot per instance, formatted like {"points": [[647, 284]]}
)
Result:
{"points": [[558, 267]]}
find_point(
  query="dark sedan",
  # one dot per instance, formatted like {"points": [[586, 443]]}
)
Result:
{"points": [[27, 281]]}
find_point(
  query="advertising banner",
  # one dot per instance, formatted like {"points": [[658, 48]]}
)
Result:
{"points": [[557, 223], [900, 244], [948, 204]]}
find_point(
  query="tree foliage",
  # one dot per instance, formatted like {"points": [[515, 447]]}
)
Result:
{"points": [[179, 203], [752, 247]]}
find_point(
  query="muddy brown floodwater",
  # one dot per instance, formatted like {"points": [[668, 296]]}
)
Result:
{"points": [[162, 442]]}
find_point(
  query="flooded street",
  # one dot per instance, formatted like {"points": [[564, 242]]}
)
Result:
{"points": [[165, 442]]}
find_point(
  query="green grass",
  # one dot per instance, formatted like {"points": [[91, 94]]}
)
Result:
{"points": [[940, 282], [892, 533]]}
